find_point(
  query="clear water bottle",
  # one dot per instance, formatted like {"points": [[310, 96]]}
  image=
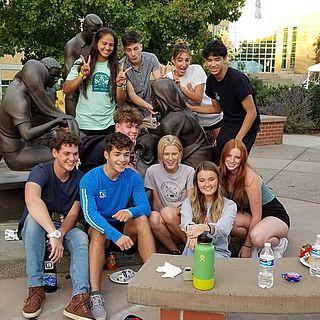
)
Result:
{"points": [[49, 271], [315, 258], [266, 264]]}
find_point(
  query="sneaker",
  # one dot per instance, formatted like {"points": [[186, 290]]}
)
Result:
{"points": [[33, 303], [78, 308], [255, 251], [96, 305], [279, 250]]}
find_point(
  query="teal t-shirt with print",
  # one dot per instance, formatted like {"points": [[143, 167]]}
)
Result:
{"points": [[96, 111]]}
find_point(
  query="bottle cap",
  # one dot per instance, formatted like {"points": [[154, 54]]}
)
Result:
{"points": [[318, 236], [204, 238], [267, 244]]}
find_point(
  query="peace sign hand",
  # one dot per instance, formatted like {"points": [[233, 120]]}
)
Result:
{"points": [[85, 68], [122, 77]]}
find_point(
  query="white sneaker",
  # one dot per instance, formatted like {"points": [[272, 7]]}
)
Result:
{"points": [[255, 251], [279, 250], [96, 303]]}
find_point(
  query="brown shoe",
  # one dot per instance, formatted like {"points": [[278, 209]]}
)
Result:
{"points": [[33, 303], [78, 308]]}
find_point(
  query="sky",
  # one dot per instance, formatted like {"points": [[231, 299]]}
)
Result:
{"points": [[272, 12]]}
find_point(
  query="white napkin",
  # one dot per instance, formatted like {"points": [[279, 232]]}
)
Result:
{"points": [[170, 271]]}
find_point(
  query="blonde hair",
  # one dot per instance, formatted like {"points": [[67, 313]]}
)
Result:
{"points": [[197, 199], [168, 140]]}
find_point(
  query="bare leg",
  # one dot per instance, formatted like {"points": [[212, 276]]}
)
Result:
{"points": [[270, 229], [241, 225], [172, 218], [138, 229], [96, 257], [161, 232]]}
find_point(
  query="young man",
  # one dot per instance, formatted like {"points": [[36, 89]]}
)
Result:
{"points": [[230, 92], [53, 187], [105, 193], [127, 121], [143, 66]]}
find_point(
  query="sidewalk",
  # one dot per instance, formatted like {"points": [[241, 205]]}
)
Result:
{"points": [[292, 170]]}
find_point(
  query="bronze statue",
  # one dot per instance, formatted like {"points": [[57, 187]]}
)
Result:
{"points": [[79, 45], [28, 116], [178, 120]]}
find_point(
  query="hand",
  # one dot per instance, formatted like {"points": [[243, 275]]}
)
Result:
{"points": [[190, 87], [244, 252], [124, 243], [122, 215], [163, 71], [122, 77], [191, 243], [85, 68], [56, 249], [194, 230]]}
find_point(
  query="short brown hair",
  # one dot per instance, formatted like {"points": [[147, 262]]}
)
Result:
{"points": [[119, 141], [68, 139], [127, 114]]}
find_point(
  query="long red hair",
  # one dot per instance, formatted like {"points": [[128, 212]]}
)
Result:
{"points": [[238, 185]]}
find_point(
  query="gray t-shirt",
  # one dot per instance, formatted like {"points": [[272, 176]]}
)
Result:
{"points": [[171, 187], [140, 78]]}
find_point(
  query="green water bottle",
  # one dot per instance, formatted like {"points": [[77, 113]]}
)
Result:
{"points": [[203, 265]]}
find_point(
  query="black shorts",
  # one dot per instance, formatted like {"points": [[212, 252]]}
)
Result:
{"points": [[274, 208]]}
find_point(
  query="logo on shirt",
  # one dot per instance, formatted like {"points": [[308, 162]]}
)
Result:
{"points": [[171, 191], [100, 82], [216, 96], [102, 194]]}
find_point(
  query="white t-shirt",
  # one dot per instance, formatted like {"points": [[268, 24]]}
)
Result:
{"points": [[171, 187], [195, 75]]}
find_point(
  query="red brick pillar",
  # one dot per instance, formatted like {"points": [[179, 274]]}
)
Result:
{"points": [[189, 315]]}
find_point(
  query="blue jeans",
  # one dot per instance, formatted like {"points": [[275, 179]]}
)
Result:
{"points": [[75, 242]]}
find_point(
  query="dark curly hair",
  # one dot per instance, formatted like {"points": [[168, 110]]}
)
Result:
{"points": [[65, 138], [215, 48], [119, 141]]}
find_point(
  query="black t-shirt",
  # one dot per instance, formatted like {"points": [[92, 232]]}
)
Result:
{"points": [[58, 196], [230, 92]]}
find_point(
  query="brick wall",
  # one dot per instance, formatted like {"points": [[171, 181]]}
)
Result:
{"points": [[271, 130]]}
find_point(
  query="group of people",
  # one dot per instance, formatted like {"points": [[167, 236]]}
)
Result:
{"points": [[175, 202]]}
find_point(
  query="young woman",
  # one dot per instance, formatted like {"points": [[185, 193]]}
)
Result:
{"points": [[208, 210], [170, 183], [261, 217], [191, 79], [99, 82]]}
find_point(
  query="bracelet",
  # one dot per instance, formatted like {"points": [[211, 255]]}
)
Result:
{"points": [[210, 228], [81, 75], [245, 245]]}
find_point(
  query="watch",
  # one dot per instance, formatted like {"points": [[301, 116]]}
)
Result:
{"points": [[55, 234]]}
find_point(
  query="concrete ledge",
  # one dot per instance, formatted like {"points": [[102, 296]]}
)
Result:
{"points": [[235, 290], [265, 118]]}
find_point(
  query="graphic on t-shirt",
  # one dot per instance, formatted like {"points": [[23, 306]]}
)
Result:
{"points": [[100, 82], [170, 191], [102, 194], [216, 96]]}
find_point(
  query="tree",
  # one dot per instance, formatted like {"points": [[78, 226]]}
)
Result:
{"points": [[41, 28], [317, 49]]}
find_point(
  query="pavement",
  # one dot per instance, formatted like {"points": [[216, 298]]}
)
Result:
{"points": [[291, 169]]}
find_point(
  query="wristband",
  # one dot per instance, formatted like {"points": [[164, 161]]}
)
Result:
{"points": [[81, 75], [210, 228]]}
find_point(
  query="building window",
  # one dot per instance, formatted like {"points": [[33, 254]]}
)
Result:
{"points": [[293, 48], [284, 48]]}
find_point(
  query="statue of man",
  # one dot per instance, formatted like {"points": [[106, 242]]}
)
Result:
{"points": [[27, 115], [79, 45]]}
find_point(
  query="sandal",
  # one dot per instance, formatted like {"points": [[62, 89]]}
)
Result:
{"points": [[122, 277]]}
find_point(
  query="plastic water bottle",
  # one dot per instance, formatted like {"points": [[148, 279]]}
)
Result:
{"points": [[49, 271], [315, 258], [266, 264], [203, 267]]}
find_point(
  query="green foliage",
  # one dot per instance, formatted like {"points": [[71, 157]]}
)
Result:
{"points": [[41, 28], [315, 91], [293, 102], [317, 49]]}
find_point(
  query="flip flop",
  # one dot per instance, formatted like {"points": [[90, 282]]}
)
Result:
{"points": [[122, 277]]}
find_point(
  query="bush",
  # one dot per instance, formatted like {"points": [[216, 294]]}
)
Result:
{"points": [[315, 91], [293, 102]]}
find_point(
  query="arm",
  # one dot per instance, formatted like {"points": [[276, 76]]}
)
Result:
{"points": [[92, 215], [248, 105], [39, 212], [72, 85], [136, 99], [214, 108], [186, 214], [71, 219], [195, 94], [156, 202]]}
